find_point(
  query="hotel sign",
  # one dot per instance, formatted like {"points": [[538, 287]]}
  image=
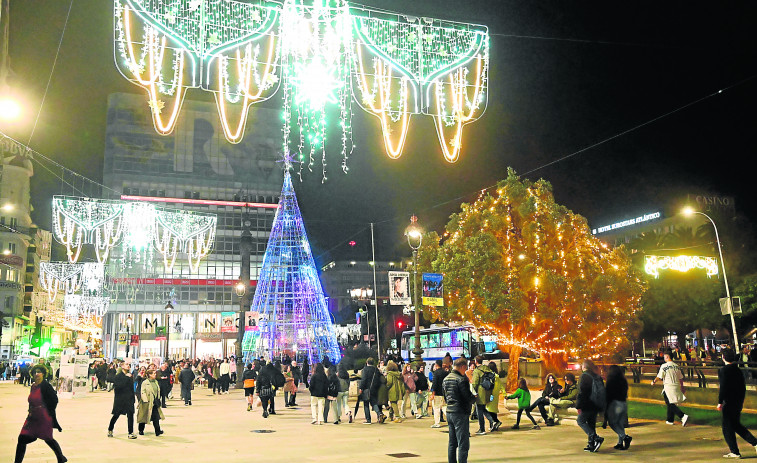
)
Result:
{"points": [[627, 223]]}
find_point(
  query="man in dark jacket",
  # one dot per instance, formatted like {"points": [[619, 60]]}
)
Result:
{"points": [[278, 382], [187, 379], [730, 402], [368, 391], [588, 410], [459, 400], [164, 382], [437, 392], [264, 385], [123, 399]]}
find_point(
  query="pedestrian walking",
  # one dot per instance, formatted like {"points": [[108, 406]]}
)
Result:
{"points": [[344, 392], [289, 387], [248, 382], [297, 375], [164, 380], [492, 407], [368, 391], [409, 397], [110, 375], [457, 393], [421, 391], [277, 377], [395, 391], [305, 372], [524, 403], [482, 382], [591, 399], [217, 384], [41, 419], [730, 403], [123, 399], [673, 389], [187, 381], [225, 370], [616, 412], [264, 386], [439, 372], [319, 385], [331, 395], [150, 409]]}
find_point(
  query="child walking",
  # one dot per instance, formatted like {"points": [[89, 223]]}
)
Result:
{"points": [[524, 402]]}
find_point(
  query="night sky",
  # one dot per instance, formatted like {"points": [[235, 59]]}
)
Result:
{"points": [[564, 76]]}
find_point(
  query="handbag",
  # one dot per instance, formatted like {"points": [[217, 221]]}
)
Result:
{"points": [[366, 394]]}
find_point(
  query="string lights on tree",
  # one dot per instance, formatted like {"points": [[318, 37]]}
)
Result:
{"points": [[522, 268], [320, 52]]}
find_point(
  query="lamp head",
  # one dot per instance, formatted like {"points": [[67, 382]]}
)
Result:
{"points": [[688, 211], [414, 233], [240, 289], [169, 306]]}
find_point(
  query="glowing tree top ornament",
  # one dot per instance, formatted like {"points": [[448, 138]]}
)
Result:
{"points": [[294, 317], [320, 50], [139, 226]]}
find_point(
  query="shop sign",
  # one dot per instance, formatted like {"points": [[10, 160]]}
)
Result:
{"points": [[209, 322], [627, 223], [10, 284], [122, 338], [228, 320], [134, 340], [150, 322], [210, 336]]}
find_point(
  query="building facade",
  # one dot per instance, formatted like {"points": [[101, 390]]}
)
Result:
{"points": [[192, 169]]}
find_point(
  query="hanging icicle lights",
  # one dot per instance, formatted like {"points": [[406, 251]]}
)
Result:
{"points": [[70, 278], [103, 223], [242, 51]]}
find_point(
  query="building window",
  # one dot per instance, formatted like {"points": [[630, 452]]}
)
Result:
{"points": [[12, 248]]}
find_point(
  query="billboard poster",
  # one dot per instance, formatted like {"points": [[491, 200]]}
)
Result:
{"points": [[251, 321], [227, 322], [398, 288], [433, 289]]}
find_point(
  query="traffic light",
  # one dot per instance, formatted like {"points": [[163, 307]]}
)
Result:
{"points": [[400, 324]]}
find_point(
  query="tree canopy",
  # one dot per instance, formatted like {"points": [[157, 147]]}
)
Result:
{"points": [[528, 270]]}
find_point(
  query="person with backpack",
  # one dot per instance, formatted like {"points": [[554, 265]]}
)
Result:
{"points": [[264, 386], [590, 401], [673, 389], [482, 384]]}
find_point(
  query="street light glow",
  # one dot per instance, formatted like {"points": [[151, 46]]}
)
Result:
{"points": [[10, 110], [688, 211]]}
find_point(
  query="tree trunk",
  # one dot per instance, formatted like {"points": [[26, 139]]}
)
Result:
{"points": [[555, 363], [512, 370]]}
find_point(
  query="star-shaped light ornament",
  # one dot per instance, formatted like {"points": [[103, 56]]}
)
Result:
{"points": [[157, 105], [369, 99], [315, 83], [170, 17], [255, 15], [213, 38], [194, 5]]}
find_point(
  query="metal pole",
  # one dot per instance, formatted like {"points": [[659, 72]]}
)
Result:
{"points": [[417, 350], [375, 294], [725, 280]]}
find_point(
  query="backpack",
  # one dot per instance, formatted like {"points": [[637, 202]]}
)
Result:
{"points": [[598, 395], [333, 389], [488, 380], [278, 379]]}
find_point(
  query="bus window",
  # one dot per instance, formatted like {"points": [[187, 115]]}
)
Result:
{"points": [[446, 339], [433, 340], [410, 342], [424, 341], [404, 343], [457, 338]]}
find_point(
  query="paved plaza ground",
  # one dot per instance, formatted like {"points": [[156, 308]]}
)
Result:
{"points": [[219, 429]]}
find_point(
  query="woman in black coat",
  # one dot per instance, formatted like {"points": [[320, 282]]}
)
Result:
{"points": [[319, 388], [616, 412], [123, 400]]}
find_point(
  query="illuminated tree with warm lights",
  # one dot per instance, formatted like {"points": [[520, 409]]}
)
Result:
{"points": [[521, 267]]}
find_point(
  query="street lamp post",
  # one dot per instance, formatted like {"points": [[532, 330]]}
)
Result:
{"points": [[414, 234], [129, 321], [169, 309], [690, 212]]}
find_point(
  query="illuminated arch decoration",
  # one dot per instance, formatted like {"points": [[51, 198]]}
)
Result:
{"points": [[226, 47], [294, 317], [407, 65], [55, 277], [139, 227], [318, 51], [653, 264]]}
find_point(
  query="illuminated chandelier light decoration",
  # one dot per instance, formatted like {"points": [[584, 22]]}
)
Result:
{"points": [[79, 221], [84, 313], [406, 65], [294, 317], [69, 278], [226, 47], [319, 52], [138, 226], [653, 264], [316, 42]]}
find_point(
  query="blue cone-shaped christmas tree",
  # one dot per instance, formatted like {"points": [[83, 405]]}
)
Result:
{"points": [[294, 317]]}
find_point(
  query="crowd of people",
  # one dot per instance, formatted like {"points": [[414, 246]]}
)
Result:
{"points": [[457, 392]]}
